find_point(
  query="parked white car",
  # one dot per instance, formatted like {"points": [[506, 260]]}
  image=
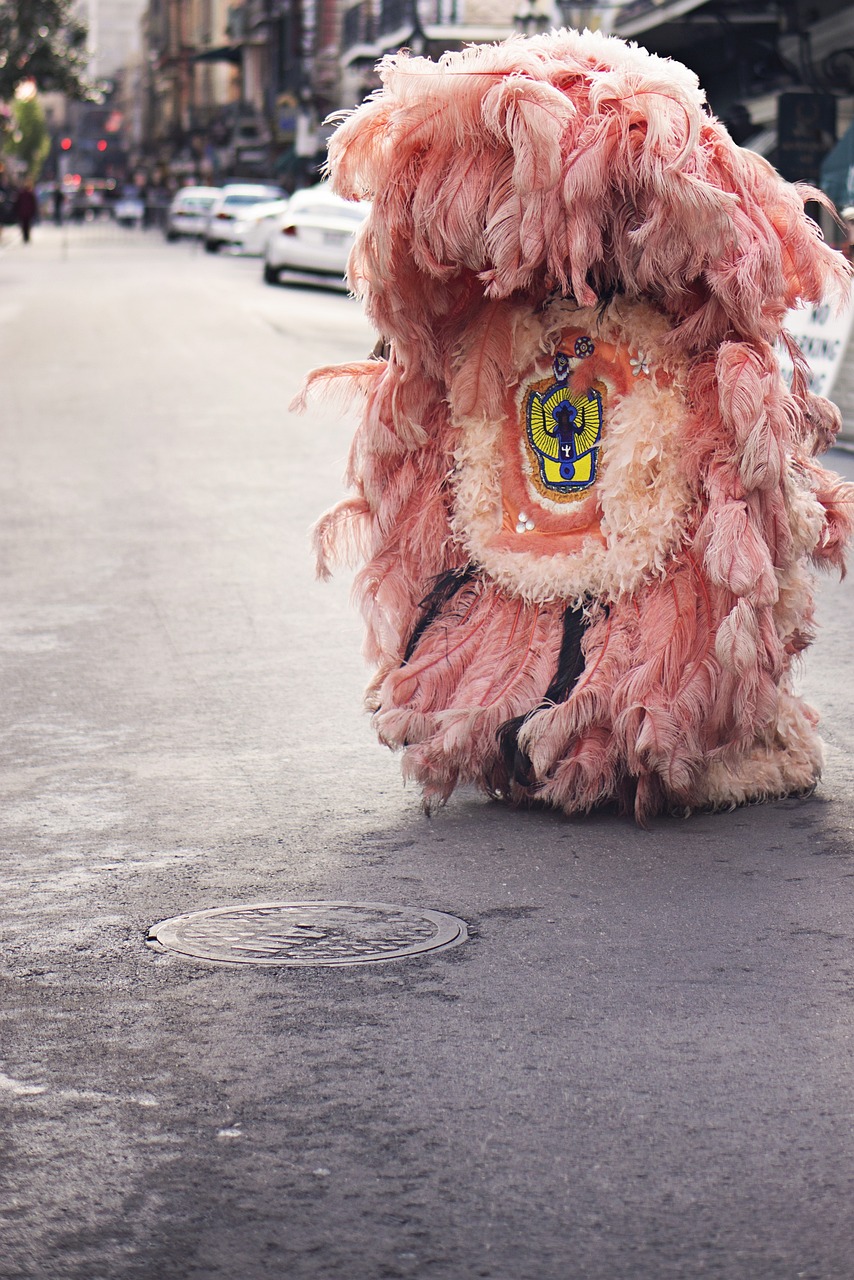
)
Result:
{"points": [[314, 237], [188, 212], [253, 228], [227, 215]]}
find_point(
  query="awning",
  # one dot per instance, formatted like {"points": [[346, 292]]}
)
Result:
{"points": [[639, 15], [442, 35], [225, 53]]}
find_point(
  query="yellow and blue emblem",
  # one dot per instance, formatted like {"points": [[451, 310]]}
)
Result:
{"points": [[564, 428]]}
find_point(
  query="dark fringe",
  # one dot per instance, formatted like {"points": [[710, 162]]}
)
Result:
{"points": [[570, 664], [444, 588]]}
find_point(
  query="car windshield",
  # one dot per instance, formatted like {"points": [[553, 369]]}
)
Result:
{"points": [[248, 199]]}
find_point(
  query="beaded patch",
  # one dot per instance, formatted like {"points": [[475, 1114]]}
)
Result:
{"points": [[546, 535], [563, 428]]}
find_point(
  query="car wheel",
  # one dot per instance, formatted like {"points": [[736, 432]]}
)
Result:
{"points": [[212, 246], [271, 274], [171, 235]]}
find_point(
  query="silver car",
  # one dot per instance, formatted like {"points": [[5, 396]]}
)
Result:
{"points": [[225, 217], [188, 212]]}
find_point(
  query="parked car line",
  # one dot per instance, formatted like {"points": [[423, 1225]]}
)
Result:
{"points": [[314, 237], [225, 214]]}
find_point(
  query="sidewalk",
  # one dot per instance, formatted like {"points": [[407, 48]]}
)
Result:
{"points": [[9, 237]]}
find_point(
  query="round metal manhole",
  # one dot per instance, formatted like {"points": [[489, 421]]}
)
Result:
{"points": [[309, 933]]}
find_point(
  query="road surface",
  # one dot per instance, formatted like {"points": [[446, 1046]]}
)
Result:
{"points": [[639, 1067]]}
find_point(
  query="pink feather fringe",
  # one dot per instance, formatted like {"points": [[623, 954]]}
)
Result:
{"points": [[577, 163]]}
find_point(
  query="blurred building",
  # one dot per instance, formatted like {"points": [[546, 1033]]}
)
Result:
{"points": [[371, 28], [779, 73], [190, 84], [94, 138], [114, 34], [232, 87], [260, 76]]}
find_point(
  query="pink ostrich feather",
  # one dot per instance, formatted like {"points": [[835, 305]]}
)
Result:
{"points": [[575, 167]]}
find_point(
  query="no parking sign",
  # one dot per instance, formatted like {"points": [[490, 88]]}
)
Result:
{"points": [[822, 333]]}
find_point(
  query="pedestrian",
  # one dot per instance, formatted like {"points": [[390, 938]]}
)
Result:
{"points": [[7, 204], [26, 208], [58, 204]]}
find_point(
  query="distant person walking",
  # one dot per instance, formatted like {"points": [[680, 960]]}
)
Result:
{"points": [[26, 208], [7, 205]]}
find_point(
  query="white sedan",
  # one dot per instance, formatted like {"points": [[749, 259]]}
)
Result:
{"points": [[188, 212], [313, 239], [253, 228], [227, 218]]}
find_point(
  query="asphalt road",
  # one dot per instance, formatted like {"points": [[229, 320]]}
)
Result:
{"points": [[639, 1067]]}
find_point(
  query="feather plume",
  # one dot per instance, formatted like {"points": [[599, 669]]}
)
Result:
{"points": [[342, 536], [576, 163], [532, 118], [736, 556], [762, 458], [483, 361], [741, 389], [588, 773], [345, 380], [608, 648], [481, 660]]}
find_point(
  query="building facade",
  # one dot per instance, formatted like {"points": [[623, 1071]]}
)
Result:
{"points": [[243, 86], [114, 34]]}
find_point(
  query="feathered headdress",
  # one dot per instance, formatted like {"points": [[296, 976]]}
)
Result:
{"points": [[585, 501]]}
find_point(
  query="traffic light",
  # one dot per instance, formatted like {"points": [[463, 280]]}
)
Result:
{"points": [[102, 144], [65, 143]]}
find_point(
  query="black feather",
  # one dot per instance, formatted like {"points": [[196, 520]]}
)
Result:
{"points": [[570, 664], [444, 588], [570, 661]]}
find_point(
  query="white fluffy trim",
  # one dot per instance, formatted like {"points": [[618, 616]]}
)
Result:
{"points": [[788, 762], [638, 506]]}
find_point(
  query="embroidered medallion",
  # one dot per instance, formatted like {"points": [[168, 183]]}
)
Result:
{"points": [[563, 429]]}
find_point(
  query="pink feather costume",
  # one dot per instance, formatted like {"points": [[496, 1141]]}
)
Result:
{"points": [[586, 502]]}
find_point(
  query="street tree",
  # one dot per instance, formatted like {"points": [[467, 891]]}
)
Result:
{"points": [[28, 139], [43, 41]]}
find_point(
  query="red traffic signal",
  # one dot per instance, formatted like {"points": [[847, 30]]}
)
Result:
{"points": [[102, 144], [66, 144]]}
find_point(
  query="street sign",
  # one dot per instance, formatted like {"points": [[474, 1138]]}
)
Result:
{"points": [[822, 334]]}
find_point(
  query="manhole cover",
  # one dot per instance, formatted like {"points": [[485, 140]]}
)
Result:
{"points": [[309, 933]]}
